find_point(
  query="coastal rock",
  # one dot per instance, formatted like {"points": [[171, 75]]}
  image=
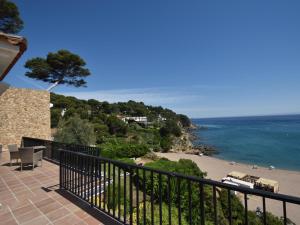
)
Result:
{"points": [[205, 150], [182, 143], [202, 149], [185, 144]]}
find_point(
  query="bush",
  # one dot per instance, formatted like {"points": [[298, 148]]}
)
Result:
{"points": [[123, 150], [75, 131], [165, 215], [170, 128], [166, 144], [116, 126], [237, 209], [183, 166], [101, 131], [55, 117]]}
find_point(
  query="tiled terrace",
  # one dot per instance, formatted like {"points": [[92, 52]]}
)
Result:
{"points": [[33, 197]]}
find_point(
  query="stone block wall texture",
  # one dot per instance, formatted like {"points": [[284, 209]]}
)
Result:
{"points": [[24, 112]]}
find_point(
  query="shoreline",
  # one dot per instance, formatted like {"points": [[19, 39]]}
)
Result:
{"points": [[204, 163], [289, 180], [258, 165], [191, 136]]}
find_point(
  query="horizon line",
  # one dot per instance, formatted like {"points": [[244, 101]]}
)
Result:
{"points": [[242, 116]]}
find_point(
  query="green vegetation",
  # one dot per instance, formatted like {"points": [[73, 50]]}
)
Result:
{"points": [[10, 21], [75, 131], [187, 167], [121, 149], [119, 138], [62, 67], [156, 217]]}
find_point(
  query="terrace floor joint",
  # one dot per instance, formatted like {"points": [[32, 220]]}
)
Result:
{"points": [[40, 211], [13, 215]]}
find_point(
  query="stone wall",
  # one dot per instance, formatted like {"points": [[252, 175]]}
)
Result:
{"points": [[24, 112]]}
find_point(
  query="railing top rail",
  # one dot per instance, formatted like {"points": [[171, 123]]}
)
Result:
{"points": [[38, 139], [261, 193]]}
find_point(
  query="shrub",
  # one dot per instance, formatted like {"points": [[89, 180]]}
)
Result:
{"points": [[183, 166], [116, 126], [165, 215], [75, 131], [55, 117], [170, 128], [166, 144], [101, 131], [123, 150]]}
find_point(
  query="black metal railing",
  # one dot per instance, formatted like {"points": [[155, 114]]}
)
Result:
{"points": [[134, 194], [53, 147]]}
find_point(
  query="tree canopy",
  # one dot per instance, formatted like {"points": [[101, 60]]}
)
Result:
{"points": [[62, 67], [10, 21], [75, 131], [158, 134]]}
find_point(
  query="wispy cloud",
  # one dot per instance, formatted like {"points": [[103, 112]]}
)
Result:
{"points": [[165, 96], [194, 100]]}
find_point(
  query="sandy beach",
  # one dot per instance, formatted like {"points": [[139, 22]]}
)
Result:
{"points": [[289, 181]]}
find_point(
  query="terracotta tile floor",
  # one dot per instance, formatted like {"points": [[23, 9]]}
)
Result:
{"points": [[33, 197]]}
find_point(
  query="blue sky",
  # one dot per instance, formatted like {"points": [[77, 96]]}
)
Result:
{"points": [[201, 58]]}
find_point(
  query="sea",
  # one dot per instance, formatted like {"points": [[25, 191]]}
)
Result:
{"points": [[256, 140]]}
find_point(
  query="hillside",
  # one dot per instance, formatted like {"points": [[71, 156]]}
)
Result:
{"points": [[124, 124]]}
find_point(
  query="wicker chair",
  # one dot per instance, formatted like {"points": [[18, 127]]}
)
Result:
{"points": [[28, 156], [13, 152]]}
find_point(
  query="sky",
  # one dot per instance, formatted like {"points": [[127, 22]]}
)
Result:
{"points": [[200, 58]]}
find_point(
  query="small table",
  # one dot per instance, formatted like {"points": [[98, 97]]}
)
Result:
{"points": [[39, 148], [38, 151]]}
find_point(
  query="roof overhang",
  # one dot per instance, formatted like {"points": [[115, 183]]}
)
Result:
{"points": [[11, 49]]}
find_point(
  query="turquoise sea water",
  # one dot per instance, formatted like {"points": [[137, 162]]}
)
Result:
{"points": [[261, 140]]}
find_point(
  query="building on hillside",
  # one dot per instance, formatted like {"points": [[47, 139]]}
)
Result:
{"points": [[160, 118], [138, 119]]}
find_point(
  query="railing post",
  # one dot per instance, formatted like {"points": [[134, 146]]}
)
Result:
{"points": [[60, 171], [51, 151], [92, 180]]}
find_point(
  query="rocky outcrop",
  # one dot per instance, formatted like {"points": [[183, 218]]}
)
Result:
{"points": [[205, 150], [185, 144], [182, 143]]}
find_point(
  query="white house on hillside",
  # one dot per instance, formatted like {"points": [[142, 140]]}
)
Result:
{"points": [[139, 119]]}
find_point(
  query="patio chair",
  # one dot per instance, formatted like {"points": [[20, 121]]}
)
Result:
{"points": [[13, 152], [28, 156]]}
